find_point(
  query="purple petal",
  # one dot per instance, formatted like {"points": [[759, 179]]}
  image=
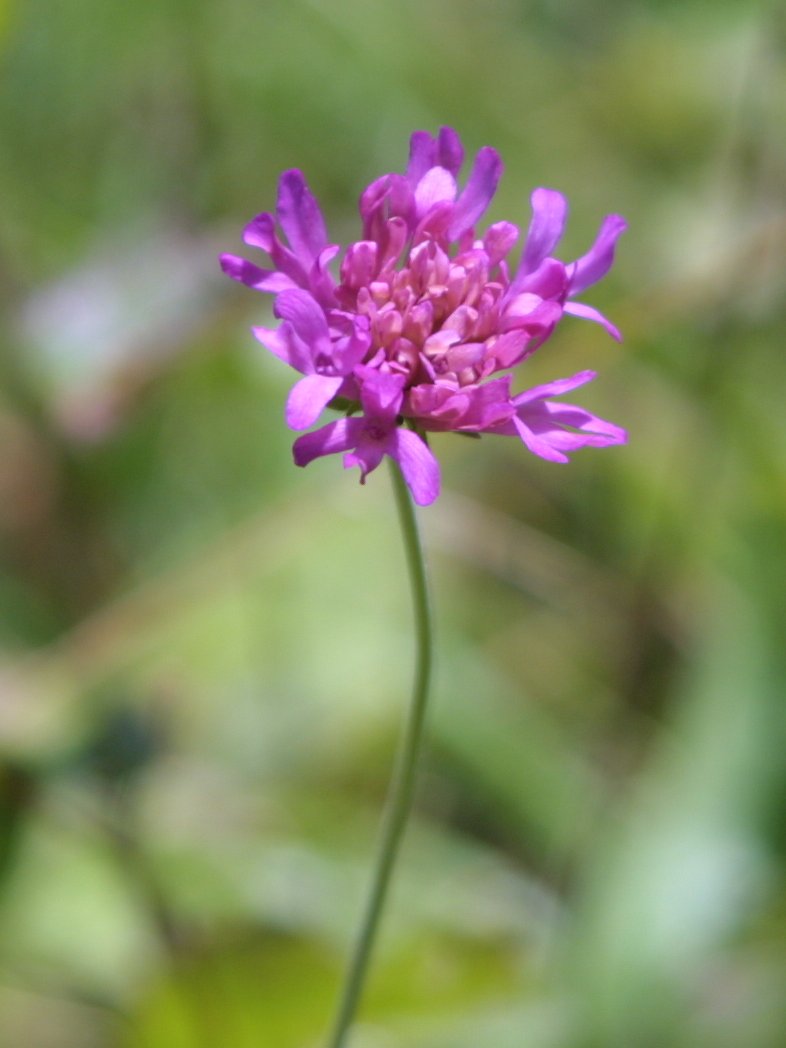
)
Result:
{"points": [[351, 341], [538, 445], [450, 151], [498, 241], [479, 190], [437, 186], [300, 217], [549, 280], [599, 429], [580, 309], [359, 264], [305, 316], [393, 241], [340, 435], [554, 389], [367, 455], [387, 197], [284, 343], [510, 348], [321, 280], [422, 156], [598, 260], [381, 394], [418, 465], [308, 397], [489, 403], [254, 276], [549, 211], [260, 232]]}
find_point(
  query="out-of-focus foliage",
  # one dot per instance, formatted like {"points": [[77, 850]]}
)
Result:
{"points": [[204, 652]]}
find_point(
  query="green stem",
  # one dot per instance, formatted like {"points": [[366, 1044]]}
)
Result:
{"points": [[402, 787]]}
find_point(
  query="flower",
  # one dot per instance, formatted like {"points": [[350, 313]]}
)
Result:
{"points": [[425, 316]]}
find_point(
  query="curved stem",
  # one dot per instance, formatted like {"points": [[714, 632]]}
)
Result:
{"points": [[402, 787]]}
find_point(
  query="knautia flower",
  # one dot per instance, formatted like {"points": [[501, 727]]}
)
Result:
{"points": [[421, 328]]}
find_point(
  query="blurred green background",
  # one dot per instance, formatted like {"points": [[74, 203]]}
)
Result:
{"points": [[204, 652]]}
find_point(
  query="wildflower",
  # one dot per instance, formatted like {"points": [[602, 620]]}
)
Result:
{"points": [[425, 316]]}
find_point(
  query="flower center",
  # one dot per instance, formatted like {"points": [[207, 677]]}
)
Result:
{"points": [[432, 318]]}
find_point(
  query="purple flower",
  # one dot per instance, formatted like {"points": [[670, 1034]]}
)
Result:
{"points": [[425, 314]]}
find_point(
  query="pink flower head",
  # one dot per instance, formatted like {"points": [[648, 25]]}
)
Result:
{"points": [[420, 328]]}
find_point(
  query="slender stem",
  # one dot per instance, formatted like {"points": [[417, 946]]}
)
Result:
{"points": [[402, 786]]}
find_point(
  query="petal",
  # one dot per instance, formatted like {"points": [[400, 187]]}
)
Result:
{"points": [[359, 264], [367, 455], [537, 444], [393, 240], [538, 323], [308, 397], [321, 280], [418, 465], [598, 260], [549, 211], [340, 435], [381, 393], [479, 190], [254, 276], [489, 404], [580, 309], [422, 156], [300, 217], [306, 317], [259, 232], [549, 280], [578, 418], [437, 186], [387, 197], [554, 389], [450, 151], [498, 241], [284, 343], [510, 348]]}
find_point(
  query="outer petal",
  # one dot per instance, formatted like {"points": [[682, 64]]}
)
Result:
{"points": [[590, 268], [387, 197], [254, 276], [479, 190], [437, 186], [498, 240], [380, 393], [422, 156], [450, 151], [300, 217], [549, 212], [598, 429], [549, 280], [259, 232], [321, 279], [306, 317], [538, 445], [418, 465], [367, 455], [340, 435], [308, 397], [580, 309], [284, 343], [554, 389]]}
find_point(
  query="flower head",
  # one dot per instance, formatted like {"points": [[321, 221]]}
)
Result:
{"points": [[426, 318]]}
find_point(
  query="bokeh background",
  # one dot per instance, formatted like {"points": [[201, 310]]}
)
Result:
{"points": [[205, 652]]}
